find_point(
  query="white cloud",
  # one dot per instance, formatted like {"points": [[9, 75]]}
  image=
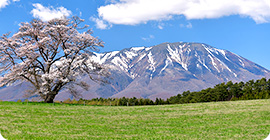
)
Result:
{"points": [[161, 26], [110, 1], [4, 3], [132, 12], [101, 24], [189, 25], [148, 38], [48, 13], [79, 11]]}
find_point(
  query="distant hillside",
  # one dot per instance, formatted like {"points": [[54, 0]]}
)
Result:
{"points": [[163, 71]]}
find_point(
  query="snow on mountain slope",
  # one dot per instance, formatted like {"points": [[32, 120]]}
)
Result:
{"points": [[168, 69], [184, 66]]}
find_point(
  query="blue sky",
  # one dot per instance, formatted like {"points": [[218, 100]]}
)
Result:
{"points": [[240, 26]]}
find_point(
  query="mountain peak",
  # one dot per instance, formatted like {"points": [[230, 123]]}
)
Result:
{"points": [[181, 62], [168, 69]]}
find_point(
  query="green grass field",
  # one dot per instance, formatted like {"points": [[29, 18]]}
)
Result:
{"points": [[219, 120]]}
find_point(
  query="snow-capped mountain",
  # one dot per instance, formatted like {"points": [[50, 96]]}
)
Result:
{"points": [[168, 69]]}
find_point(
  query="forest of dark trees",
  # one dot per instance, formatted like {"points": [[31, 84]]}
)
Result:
{"points": [[259, 89]]}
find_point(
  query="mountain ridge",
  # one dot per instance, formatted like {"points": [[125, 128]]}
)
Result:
{"points": [[168, 69]]}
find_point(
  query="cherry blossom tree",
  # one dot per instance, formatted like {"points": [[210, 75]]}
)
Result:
{"points": [[51, 56]]}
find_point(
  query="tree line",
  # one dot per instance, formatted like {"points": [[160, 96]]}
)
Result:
{"points": [[259, 89]]}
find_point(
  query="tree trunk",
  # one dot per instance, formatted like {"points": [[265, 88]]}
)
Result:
{"points": [[49, 98]]}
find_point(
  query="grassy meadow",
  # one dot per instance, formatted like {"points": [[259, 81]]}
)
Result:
{"points": [[248, 119]]}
